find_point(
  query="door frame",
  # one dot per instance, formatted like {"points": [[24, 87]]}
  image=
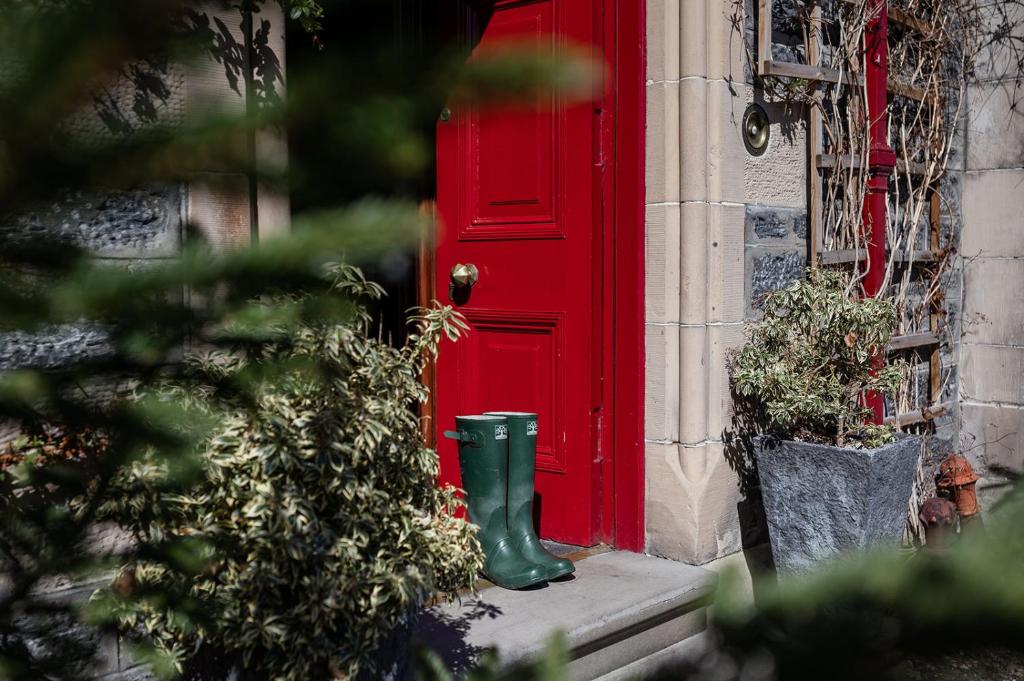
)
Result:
{"points": [[625, 138], [618, 427]]}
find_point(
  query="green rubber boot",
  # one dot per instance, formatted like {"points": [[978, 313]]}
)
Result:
{"points": [[483, 459], [522, 460]]}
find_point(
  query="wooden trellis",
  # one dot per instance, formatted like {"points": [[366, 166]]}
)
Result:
{"points": [[821, 162]]}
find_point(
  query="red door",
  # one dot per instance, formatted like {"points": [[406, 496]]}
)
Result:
{"points": [[516, 198]]}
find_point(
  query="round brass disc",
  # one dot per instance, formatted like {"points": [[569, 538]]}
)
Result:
{"points": [[756, 129]]}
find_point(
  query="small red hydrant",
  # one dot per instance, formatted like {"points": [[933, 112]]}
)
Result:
{"points": [[956, 482]]}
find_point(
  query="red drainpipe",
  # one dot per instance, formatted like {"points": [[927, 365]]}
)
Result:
{"points": [[881, 161]]}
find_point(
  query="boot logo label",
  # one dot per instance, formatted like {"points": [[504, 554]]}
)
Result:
{"points": [[531, 427], [500, 432]]}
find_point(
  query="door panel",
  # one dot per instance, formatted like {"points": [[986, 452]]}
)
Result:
{"points": [[516, 189]]}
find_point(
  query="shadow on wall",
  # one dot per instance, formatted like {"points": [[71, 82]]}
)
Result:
{"points": [[144, 93], [747, 423], [150, 94]]}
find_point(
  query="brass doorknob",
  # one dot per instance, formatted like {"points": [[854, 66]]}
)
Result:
{"points": [[464, 275]]}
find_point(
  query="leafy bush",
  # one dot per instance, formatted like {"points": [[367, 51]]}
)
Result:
{"points": [[813, 356], [319, 518]]}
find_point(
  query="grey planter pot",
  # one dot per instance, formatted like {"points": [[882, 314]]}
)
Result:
{"points": [[821, 500]]}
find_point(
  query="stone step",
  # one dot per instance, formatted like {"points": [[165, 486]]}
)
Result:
{"points": [[659, 664], [619, 608]]}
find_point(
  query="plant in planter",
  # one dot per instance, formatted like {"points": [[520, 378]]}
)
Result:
{"points": [[830, 480], [319, 526]]}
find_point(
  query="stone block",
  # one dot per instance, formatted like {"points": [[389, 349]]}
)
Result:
{"points": [[725, 150], [993, 206], [995, 435], [693, 267], [725, 49], [694, 144], [995, 126], [54, 347], [215, 78], [993, 313], [725, 264], [693, 497], [128, 223], [621, 607], [273, 210], [1002, 29], [693, 384], [662, 160], [711, 150], [693, 43], [723, 341], [145, 96], [775, 225], [219, 210], [661, 257], [770, 270], [993, 373], [661, 384], [663, 40], [778, 177], [770, 224]]}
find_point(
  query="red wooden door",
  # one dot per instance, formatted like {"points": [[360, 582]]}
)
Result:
{"points": [[516, 198]]}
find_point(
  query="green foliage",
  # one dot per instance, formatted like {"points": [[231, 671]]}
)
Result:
{"points": [[309, 13], [813, 356], [359, 118], [319, 513]]}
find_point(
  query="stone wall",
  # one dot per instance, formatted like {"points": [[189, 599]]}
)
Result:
{"points": [[725, 227], [138, 226], [992, 382], [722, 226], [130, 227]]}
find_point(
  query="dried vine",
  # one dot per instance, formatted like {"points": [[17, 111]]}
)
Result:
{"points": [[934, 47]]}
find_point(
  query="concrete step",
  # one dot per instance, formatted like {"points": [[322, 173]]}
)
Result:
{"points": [[619, 608]]}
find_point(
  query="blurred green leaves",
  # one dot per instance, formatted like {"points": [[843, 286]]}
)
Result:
{"points": [[122, 433]]}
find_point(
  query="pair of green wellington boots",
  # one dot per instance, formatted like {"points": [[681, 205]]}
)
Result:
{"points": [[497, 455]]}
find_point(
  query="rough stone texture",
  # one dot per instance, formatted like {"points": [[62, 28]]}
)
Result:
{"points": [[775, 225], [772, 271], [821, 501], [767, 222], [800, 226], [52, 348], [778, 177], [148, 95], [129, 223]]}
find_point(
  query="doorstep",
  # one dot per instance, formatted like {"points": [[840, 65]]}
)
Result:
{"points": [[617, 610]]}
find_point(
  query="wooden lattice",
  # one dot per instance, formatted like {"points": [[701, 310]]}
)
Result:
{"points": [[820, 162]]}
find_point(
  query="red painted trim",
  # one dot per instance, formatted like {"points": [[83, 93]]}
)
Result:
{"points": [[628, 48]]}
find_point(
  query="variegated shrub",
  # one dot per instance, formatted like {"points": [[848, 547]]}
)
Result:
{"points": [[816, 352], [319, 525]]}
